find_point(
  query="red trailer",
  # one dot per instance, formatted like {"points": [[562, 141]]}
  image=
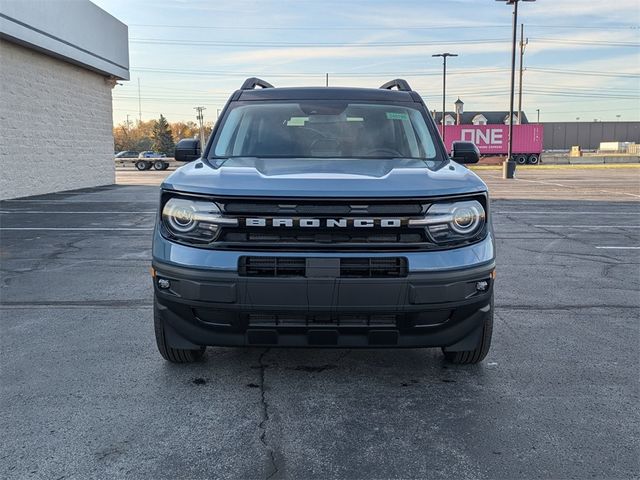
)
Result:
{"points": [[493, 140]]}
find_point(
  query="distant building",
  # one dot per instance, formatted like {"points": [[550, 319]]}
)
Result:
{"points": [[460, 117], [59, 62]]}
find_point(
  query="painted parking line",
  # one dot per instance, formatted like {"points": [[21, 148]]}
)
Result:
{"points": [[564, 225], [79, 229], [619, 248], [621, 193], [560, 212], [97, 212], [542, 182]]}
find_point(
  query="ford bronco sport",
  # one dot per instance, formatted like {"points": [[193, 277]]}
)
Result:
{"points": [[324, 217]]}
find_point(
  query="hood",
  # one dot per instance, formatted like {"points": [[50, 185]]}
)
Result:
{"points": [[304, 177]]}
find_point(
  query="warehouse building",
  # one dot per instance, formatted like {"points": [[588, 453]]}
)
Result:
{"points": [[461, 117], [58, 69]]}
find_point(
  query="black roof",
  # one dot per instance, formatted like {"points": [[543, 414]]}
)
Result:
{"points": [[493, 118], [326, 93]]}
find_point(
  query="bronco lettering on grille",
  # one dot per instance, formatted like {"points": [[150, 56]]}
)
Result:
{"points": [[324, 222]]}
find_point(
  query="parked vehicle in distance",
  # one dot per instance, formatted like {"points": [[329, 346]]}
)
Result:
{"points": [[493, 140], [187, 150], [146, 161], [325, 217], [150, 154], [127, 154]]}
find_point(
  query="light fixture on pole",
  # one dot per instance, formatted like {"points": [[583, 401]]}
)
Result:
{"points": [[509, 166], [444, 86]]}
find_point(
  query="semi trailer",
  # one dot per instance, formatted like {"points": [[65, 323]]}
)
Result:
{"points": [[493, 140]]}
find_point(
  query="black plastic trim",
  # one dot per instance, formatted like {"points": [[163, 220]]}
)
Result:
{"points": [[398, 83]]}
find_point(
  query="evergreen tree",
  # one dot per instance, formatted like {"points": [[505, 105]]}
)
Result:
{"points": [[162, 137]]}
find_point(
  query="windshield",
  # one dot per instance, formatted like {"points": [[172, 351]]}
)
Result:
{"points": [[324, 129]]}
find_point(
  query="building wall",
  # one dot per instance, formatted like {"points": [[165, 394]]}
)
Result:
{"points": [[55, 124], [588, 135]]}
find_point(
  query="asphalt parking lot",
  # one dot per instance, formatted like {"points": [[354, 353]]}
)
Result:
{"points": [[84, 393]]}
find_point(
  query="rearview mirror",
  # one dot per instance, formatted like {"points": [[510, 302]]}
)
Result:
{"points": [[465, 152], [187, 149]]}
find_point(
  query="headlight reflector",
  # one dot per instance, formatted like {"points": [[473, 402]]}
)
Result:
{"points": [[180, 215], [452, 221], [466, 218], [194, 220]]}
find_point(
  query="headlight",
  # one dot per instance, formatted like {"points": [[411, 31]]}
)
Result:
{"points": [[447, 222], [195, 220]]}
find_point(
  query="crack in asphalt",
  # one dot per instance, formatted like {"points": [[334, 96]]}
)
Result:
{"points": [[40, 263], [265, 417]]}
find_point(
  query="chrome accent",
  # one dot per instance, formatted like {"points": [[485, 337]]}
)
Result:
{"points": [[425, 222], [218, 220], [312, 222]]}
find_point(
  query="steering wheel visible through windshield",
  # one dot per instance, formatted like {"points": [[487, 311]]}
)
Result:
{"points": [[324, 129]]}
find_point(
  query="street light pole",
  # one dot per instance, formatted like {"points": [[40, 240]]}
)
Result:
{"points": [[444, 86], [509, 166]]}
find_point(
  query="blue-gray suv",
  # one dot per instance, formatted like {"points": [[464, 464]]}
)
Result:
{"points": [[324, 217]]}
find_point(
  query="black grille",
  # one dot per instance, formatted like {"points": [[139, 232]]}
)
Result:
{"points": [[312, 320], [381, 267], [320, 207], [268, 237], [300, 236], [272, 267], [373, 267]]}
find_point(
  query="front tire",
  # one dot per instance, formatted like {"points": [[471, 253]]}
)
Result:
{"points": [[173, 355], [471, 357]]}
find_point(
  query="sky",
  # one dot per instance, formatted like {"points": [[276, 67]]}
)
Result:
{"points": [[582, 59]]}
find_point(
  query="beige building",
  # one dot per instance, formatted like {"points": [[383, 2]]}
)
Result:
{"points": [[57, 70]]}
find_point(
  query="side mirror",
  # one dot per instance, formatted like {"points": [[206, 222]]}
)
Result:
{"points": [[465, 152], [187, 149]]}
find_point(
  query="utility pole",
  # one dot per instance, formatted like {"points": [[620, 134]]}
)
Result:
{"points": [[139, 103], [509, 166], [523, 44], [538, 111], [200, 118], [128, 127], [326, 83], [444, 86]]}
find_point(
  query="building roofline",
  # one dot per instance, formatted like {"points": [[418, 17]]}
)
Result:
{"points": [[97, 41]]}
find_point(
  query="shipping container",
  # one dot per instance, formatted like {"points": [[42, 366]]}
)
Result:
{"points": [[493, 140]]}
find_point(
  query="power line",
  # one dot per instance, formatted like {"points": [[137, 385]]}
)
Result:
{"points": [[271, 44], [236, 74], [583, 72], [490, 92], [384, 27], [214, 43], [596, 43]]}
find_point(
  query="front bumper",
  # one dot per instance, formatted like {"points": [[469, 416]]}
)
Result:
{"points": [[424, 309]]}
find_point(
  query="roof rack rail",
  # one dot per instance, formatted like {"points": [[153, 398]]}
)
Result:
{"points": [[399, 83], [253, 82]]}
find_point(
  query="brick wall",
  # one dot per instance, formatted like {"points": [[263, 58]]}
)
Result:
{"points": [[55, 125]]}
